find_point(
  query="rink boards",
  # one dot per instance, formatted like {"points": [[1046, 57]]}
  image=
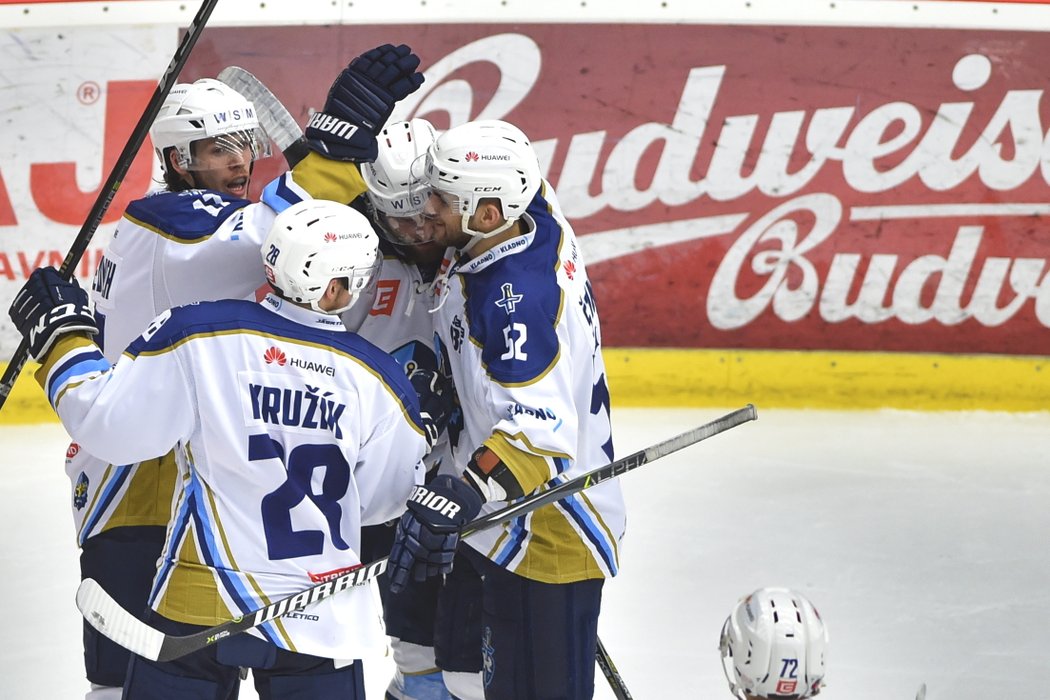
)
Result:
{"points": [[837, 206]]}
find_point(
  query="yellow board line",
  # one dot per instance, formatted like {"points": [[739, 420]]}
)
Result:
{"points": [[822, 379], [770, 379]]}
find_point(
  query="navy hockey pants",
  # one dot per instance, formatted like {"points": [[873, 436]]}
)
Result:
{"points": [[213, 673], [123, 560], [534, 641]]}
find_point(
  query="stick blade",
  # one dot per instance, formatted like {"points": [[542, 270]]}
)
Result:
{"points": [[105, 615], [275, 118]]}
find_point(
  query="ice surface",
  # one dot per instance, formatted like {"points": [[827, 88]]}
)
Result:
{"points": [[921, 537]]}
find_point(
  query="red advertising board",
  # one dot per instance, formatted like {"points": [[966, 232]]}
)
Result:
{"points": [[752, 186], [835, 188]]}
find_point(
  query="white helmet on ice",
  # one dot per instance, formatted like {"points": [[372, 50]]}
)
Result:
{"points": [[314, 242], [395, 188], [774, 645], [481, 160], [207, 109]]}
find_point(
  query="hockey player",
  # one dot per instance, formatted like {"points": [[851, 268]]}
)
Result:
{"points": [[774, 645], [290, 434], [197, 240], [398, 320], [410, 264], [517, 319]]}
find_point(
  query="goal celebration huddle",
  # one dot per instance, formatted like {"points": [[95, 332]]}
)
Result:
{"points": [[384, 374]]}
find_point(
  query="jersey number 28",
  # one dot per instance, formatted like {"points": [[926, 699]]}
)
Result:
{"points": [[301, 464]]}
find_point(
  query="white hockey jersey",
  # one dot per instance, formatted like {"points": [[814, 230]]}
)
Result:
{"points": [[172, 249], [291, 434], [396, 317], [520, 330], [168, 250], [399, 321]]}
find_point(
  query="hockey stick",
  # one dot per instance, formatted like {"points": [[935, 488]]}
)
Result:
{"points": [[274, 117], [105, 614], [605, 663], [116, 176]]}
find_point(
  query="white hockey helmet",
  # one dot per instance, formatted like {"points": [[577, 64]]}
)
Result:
{"points": [[315, 241], [774, 644], [207, 109], [395, 187], [481, 160]]}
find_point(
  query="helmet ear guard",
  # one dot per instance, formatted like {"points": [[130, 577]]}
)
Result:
{"points": [[774, 643], [315, 241], [208, 109]]}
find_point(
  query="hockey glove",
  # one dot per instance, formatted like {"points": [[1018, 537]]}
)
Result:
{"points": [[361, 100], [48, 306], [437, 400], [428, 532]]}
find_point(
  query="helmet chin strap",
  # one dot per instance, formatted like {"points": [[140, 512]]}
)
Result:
{"points": [[335, 312], [477, 236]]}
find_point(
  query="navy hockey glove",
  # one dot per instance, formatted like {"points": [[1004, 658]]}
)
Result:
{"points": [[360, 102], [48, 306], [428, 532], [437, 400]]}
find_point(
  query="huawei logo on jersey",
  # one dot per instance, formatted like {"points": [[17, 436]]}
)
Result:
{"points": [[471, 157], [570, 269], [330, 237], [72, 450], [275, 355]]}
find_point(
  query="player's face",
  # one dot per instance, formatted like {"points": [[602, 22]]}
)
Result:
{"points": [[219, 167], [443, 223]]}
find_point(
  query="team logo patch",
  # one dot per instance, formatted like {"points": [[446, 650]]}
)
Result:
{"points": [[275, 355], [786, 687], [80, 492], [456, 333], [509, 301], [73, 450]]}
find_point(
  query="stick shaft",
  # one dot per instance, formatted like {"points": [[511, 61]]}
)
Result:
{"points": [[616, 682], [95, 604]]}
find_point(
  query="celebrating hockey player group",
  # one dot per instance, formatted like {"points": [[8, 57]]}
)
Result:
{"points": [[228, 453], [427, 349]]}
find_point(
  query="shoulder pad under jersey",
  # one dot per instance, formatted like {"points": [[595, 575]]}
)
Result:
{"points": [[186, 216], [238, 315]]}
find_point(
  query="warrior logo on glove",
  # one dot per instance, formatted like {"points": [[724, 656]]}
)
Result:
{"points": [[435, 502], [361, 101]]}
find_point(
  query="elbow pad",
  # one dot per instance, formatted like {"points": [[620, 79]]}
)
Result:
{"points": [[491, 477]]}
